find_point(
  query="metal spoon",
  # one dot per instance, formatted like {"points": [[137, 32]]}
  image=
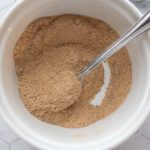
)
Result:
{"points": [[137, 29]]}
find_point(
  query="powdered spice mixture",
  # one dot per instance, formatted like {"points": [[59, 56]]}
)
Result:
{"points": [[47, 57]]}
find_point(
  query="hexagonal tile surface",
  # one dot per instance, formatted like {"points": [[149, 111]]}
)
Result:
{"points": [[4, 145], [21, 145], [145, 129], [6, 133], [143, 5], [137, 142]]}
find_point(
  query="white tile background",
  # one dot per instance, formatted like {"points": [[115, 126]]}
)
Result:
{"points": [[10, 141]]}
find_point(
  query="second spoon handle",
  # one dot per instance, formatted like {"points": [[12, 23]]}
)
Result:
{"points": [[138, 28]]}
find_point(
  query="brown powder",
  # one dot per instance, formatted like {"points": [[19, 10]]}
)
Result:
{"points": [[47, 55], [48, 90]]}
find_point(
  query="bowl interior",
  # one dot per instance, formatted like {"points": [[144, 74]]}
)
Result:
{"points": [[108, 130]]}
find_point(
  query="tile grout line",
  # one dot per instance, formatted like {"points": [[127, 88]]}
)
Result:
{"points": [[142, 134], [9, 146], [15, 140], [4, 140]]}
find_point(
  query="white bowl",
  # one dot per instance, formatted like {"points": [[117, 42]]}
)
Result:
{"points": [[104, 134]]}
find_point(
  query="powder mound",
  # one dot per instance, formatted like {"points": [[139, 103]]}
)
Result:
{"points": [[41, 90], [66, 89]]}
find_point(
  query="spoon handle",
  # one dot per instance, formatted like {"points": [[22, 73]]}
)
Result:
{"points": [[137, 29]]}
